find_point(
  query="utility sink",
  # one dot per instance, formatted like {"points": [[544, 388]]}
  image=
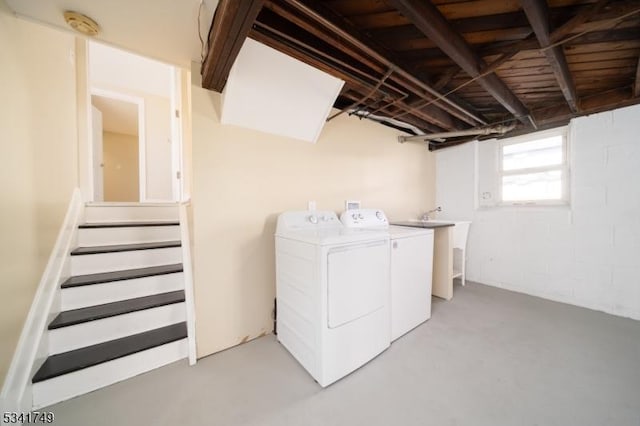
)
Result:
{"points": [[424, 223], [434, 221]]}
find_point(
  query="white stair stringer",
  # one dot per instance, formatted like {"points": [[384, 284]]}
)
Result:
{"points": [[89, 333], [114, 291], [88, 237], [127, 212], [117, 261], [89, 379]]}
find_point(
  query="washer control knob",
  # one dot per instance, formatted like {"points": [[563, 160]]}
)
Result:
{"points": [[313, 219], [379, 215], [324, 218], [354, 216]]}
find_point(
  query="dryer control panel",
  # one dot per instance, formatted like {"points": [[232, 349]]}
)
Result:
{"points": [[364, 218], [308, 219]]}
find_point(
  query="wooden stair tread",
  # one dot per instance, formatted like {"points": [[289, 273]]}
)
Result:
{"points": [[92, 313], [78, 359], [97, 225], [115, 248], [126, 274]]}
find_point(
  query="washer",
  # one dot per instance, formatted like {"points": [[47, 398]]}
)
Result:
{"points": [[332, 293], [411, 257]]}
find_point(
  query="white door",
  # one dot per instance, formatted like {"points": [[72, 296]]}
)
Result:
{"points": [[358, 281], [98, 161], [411, 267]]}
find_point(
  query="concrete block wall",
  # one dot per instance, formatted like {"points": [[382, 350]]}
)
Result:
{"points": [[587, 254]]}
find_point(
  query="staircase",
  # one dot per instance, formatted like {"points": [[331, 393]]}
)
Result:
{"points": [[123, 308]]}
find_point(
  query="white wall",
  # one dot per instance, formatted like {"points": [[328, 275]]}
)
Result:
{"points": [[38, 143], [587, 255]]}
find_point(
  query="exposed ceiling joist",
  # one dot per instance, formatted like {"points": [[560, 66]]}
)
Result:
{"points": [[538, 14], [230, 26], [345, 33], [428, 19], [561, 114], [299, 50]]}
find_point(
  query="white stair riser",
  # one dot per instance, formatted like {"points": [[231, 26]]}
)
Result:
{"points": [[90, 333], [86, 380], [108, 262], [96, 294], [130, 213], [143, 234]]}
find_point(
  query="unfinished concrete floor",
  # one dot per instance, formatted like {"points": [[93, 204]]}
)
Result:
{"points": [[488, 357]]}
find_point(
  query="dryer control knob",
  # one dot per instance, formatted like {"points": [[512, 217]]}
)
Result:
{"points": [[354, 216], [360, 216], [313, 219]]}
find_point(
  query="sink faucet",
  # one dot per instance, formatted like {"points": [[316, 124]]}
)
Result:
{"points": [[425, 215]]}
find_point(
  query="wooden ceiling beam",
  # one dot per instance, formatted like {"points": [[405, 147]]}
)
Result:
{"points": [[310, 26], [230, 26], [605, 101], [438, 118], [583, 16], [428, 19], [538, 14], [347, 33]]}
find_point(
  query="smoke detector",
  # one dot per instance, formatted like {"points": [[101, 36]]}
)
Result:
{"points": [[81, 23]]}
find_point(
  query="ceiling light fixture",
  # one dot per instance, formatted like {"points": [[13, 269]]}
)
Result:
{"points": [[81, 23]]}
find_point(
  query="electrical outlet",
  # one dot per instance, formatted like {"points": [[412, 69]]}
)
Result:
{"points": [[311, 205]]}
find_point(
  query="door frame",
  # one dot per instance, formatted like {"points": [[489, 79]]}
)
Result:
{"points": [[142, 147], [176, 135]]}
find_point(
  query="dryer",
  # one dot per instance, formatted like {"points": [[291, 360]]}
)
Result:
{"points": [[411, 263], [332, 293]]}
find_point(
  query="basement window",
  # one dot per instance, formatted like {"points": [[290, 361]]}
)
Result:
{"points": [[534, 169]]}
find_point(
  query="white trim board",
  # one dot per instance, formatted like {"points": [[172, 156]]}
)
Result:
{"points": [[188, 282]]}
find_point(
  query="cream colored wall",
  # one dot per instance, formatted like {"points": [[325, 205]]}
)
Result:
{"points": [[157, 112], [121, 171], [38, 144], [242, 180]]}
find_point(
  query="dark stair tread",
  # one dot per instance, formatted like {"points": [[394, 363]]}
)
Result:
{"points": [[127, 274], [78, 359], [124, 247], [92, 313], [127, 224]]}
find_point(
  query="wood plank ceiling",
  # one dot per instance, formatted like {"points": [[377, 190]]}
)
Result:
{"points": [[445, 66]]}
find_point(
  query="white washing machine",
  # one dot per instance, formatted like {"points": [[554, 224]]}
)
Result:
{"points": [[332, 292], [411, 268]]}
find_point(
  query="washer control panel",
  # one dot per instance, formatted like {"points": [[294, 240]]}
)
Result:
{"points": [[364, 218]]}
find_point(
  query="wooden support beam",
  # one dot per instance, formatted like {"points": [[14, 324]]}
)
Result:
{"points": [[538, 15], [231, 24], [574, 25], [583, 16], [636, 85], [344, 32], [432, 115], [428, 19], [605, 101]]}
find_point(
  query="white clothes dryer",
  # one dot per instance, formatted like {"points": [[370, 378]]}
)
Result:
{"points": [[332, 293]]}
